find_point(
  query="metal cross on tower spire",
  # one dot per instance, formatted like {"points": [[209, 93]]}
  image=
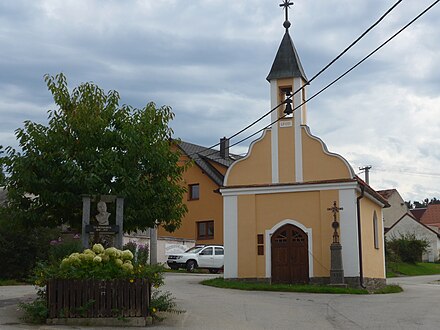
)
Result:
{"points": [[286, 4]]}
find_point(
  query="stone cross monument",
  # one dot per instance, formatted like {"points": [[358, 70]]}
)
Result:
{"points": [[336, 267]]}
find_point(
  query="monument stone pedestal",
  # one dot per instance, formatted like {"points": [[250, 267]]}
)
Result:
{"points": [[336, 267]]}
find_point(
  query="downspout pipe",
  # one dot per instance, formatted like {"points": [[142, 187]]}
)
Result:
{"points": [[358, 207]]}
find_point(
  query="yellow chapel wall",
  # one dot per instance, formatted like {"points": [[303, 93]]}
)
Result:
{"points": [[286, 151], [208, 207], [258, 213], [256, 167], [372, 259], [319, 164]]}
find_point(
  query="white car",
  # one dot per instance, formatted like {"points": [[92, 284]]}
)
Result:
{"points": [[209, 257]]}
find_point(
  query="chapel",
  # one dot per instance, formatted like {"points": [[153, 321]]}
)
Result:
{"points": [[294, 212]]}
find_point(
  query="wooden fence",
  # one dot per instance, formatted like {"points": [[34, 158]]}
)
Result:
{"points": [[98, 298]]}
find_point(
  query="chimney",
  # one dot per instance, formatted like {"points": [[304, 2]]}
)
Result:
{"points": [[224, 148]]}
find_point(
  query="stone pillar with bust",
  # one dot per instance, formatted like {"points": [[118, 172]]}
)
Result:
{"points": [[99, 225]]}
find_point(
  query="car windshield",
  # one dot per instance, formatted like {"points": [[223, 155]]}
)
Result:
{"points": [[194, 249]]}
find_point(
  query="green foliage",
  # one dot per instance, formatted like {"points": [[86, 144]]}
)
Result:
{"points": [[406, 248], [405, 269], [140, 252], [162, 302], [424, 203], [61, 248], [2, 174], [11, 282], [394, 288], [35, 312], [99, 263], [21, 245], [310, 288], [94, 146], [258, 286]]}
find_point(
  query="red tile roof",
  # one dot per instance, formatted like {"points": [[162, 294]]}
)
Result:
{"points": [[386, 193], [431, 215], [418, 213], [413, 218]]}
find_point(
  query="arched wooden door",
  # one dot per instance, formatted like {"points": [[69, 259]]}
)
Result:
{"points": [[290, 261]]}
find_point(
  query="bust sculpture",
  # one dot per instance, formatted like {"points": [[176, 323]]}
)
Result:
{"points": [[102, 216]]}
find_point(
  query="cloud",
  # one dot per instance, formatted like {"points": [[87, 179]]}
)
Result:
{"points": [[209, 59]]}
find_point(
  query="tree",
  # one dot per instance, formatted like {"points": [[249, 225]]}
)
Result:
{"points": [[406, 247], [424, 203], [94, 146]]}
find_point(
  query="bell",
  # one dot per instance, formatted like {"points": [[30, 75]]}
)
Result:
{"points": [[288, 109]]}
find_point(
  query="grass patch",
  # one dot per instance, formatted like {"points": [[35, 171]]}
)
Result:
{"points": [[309, 288], [389, 289], [11, 282], [253, 286], [395, 269]]}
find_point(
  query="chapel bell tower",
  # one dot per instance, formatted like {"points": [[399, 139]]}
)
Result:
{"points": [[288, 88]]}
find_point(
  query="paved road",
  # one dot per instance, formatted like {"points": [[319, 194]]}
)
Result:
{"points": [[212, 308]]}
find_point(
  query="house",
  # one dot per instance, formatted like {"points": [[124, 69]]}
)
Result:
{"points": [[431, 216], [408, 224], [204, 219], [397, 207], [277, 222], [418, 212]]}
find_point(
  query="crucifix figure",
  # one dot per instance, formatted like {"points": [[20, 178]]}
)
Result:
{"points": [[286, 4], [335, 225]]}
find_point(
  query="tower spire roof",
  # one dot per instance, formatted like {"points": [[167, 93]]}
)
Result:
{"points": [[286, 63]]}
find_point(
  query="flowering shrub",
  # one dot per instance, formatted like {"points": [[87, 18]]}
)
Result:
{"points": [[99, 263], [61, 247], [140, 251]]}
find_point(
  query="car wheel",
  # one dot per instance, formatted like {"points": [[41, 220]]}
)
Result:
{"points": [[190, 265], [214, 270]]}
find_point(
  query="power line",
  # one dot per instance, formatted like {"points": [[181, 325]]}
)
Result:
{"points": [[405, 172], [314, 77], [346, 72]]}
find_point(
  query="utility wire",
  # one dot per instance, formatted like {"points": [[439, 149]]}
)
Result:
{"points": [[341, 76], [314, 77], [404, 172]]}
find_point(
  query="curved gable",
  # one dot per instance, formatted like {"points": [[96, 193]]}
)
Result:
{"points": [[255, 167], [319, 163]]}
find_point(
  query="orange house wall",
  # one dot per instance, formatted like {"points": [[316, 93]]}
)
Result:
{"points": [[208, 207]]}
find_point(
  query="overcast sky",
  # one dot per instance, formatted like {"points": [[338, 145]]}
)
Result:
{"points": [[208, 60]]}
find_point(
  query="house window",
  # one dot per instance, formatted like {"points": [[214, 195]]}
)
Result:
{"points": [[260, 245], [205, 230], [194, 192], [375, 231]]}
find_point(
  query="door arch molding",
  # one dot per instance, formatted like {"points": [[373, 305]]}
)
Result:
{"points": [[268, 250]]}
